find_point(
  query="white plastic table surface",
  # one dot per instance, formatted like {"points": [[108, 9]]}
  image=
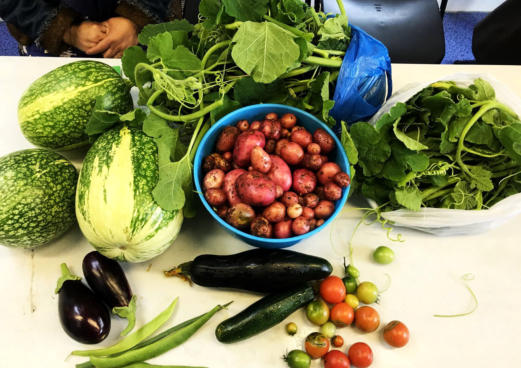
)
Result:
{"points": [[424, 278]]}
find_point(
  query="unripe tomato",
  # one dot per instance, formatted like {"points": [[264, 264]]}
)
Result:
{"points": [[317, 345]]}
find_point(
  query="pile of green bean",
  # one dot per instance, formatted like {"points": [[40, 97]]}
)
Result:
{"points": [[133, 350]]}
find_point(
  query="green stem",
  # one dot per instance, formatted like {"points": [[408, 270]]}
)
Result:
{"points": [[341, 7], [234, 25], [437, 194], [461, 143], [330, 63], [66, 275], [486, 155], [427, 193], [297, 32], [297, 72], [129, 313], [211, 50]]}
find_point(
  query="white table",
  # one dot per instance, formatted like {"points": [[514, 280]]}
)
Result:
{"points": [[425, 277]]}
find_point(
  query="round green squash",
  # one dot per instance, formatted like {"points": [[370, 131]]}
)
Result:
{"points": [[114, 204], [37, 188], [55, 109]]}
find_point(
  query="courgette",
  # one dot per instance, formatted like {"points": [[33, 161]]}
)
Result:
{"points": [[261, 270], [263, 314]]}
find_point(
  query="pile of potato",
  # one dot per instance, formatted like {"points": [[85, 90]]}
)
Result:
{"points": [[273, 177]]}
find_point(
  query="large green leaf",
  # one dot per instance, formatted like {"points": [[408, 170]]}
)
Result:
{"points": [[245, 10], [264, 50]]}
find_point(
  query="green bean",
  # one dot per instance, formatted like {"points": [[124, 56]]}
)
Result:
{"points": [[156, 348], [134, 338], [146, 365], [149, 341]]}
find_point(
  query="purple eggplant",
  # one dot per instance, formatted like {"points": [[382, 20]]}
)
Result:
{"points": [[107, 279], [83, 315]]}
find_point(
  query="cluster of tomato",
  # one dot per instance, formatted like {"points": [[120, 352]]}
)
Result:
{"points": [[338, 306]]}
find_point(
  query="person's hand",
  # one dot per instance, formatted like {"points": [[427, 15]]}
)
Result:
{"points": [[85, 35], [122, 33]]}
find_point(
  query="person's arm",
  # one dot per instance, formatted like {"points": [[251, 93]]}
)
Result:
{"points": [[37, 20]]}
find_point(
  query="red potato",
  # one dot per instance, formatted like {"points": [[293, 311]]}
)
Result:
{"points": [[243, 125], [312, 162], [279, 191], [227, 138], [302, 137], [280, 173], [244, 144], [288, 120], [292, 153], [213, 179], [312, 223], [320, 222], [324, 209], [271, 116], [222, 210], [285, 133], [304, 181], [294, 211], [215, 161], [313, 149], [327, 172], [332, 191], [289, 198], [240, 215], [300, 225], [275, 212], [308, 213], [278, 146], [271, 129], [215, 197], [324, 140], [260, 160], [270, 146], [311, 200], [255, 125], [229, 186], [319, 191], [342, 179], [282, 230], [260, 226], [227, 156], [256, 189]]}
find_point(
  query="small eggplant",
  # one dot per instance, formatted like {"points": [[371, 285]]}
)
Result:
{"points": [[82, 315], [107, 279]]}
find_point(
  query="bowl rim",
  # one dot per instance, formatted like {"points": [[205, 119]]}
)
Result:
{"points": [[235, 115]]}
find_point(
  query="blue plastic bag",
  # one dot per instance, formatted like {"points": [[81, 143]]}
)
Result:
{"points": [[364, 82]]}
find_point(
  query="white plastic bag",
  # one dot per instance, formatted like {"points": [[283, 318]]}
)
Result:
{"points": [[446, 222]]}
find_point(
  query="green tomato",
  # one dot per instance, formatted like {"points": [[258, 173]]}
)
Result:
{"points": [[352, 271], [291, 328], [317, 312], [383, 255], [367, 292], [350, 284], [298, 359], [328, 329]]}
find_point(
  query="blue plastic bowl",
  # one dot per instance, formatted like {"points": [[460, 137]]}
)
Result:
{"points": [[257, 112]]}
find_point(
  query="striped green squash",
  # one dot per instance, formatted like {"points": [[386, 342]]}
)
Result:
{"points": [[114, 204], [37, 189], [55, 109]]}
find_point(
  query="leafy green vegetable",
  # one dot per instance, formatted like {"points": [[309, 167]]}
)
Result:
{"points": [[239, 53], [447, 146]]}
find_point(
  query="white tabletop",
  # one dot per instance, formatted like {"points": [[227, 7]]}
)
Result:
{"points": [[425, 277]]}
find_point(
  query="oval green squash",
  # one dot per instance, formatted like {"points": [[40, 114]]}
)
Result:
{"points": [[37, 189], [55, 109], [114, 204]]}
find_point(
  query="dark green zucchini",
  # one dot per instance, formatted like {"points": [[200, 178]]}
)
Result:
{"points": [[262, 270], [263, 314]]}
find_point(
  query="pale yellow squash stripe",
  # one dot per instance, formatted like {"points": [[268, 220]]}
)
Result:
{"points": [[52, 100], [110, 205]]}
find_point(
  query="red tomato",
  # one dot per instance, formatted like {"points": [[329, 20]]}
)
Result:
{"points": [[367, 318], [337, 341], [336, 359], [396, 334], [333, 290], [360, 355], [342, 314], [317, 345]]}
